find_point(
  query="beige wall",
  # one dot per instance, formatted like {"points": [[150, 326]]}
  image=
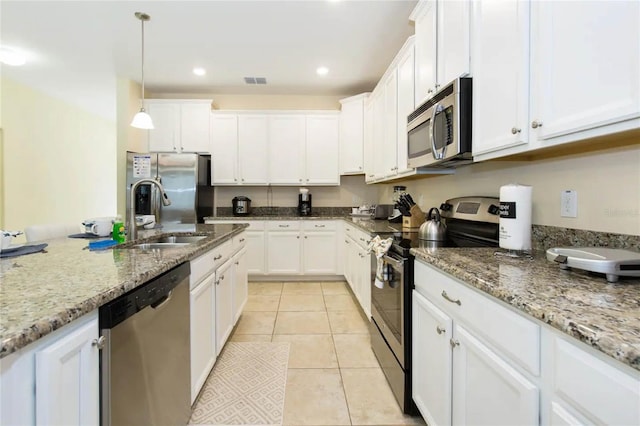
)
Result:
{"points": [[607, 182], [351, 192], [59, 160], [234, 102]]}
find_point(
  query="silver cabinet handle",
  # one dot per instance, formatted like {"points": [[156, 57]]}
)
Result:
{"points": [[299, 180], [235, 179], [430, 91], [446, 296], [347, 242], [360, 168], [283, 226], [99, 342], [217, 282], [237, 263], [535, 124], [437, 85], [440, 330], [305, 237], [371, 176], [298, 236], [319, 226], [241, 240], [515, 130], [454, 343], [218, 257], [221, 277]]}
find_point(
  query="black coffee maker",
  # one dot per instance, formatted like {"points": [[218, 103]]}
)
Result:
{"points": [[304, 202]]}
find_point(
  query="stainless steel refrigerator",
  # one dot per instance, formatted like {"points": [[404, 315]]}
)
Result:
{"points": [[186, 179]]}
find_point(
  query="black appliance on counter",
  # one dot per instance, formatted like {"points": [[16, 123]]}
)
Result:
{"points": [[241, 205], [471, 222], [304, 204]]}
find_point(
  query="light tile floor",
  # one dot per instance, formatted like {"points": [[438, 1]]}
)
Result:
{"points": [[333, 377]]}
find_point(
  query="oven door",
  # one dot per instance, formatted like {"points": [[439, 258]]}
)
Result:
{"points": [[418, 141], [387, 304]]}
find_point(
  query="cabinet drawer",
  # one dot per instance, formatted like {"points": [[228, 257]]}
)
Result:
{"points": [[256, 225], [238, 241], [283, 225], [319, 225], [511, 333], [207, 263], [595, 388]]}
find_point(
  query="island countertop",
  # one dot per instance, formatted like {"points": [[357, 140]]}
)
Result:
{"points": [[41, 292], [606, 316]]}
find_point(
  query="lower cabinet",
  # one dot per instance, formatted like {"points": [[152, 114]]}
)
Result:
{"points": [[357, 267], [54, 380], [240, 283], [203, 343], [224, 304], [283, 254]]}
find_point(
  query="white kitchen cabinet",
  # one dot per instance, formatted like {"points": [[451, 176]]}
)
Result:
{"points": [[352, 134], [240, 283], [389, 143], [486, 389], [500, 75], [283, 254], [54, 380], [425, 16], [377, 129], [320, 252], [203, 332], [585, 67], [224, 142], [322, 150], [286, 149], [253, 149], [358, 266], [369, 139], [224, 304], [432, 362], [180, 125], [406, 102], [256, 252]]}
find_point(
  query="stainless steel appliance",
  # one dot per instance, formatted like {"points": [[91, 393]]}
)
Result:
{"points": [[383, 211], [471, 222], [145, 367], [241, 205], [304, 204], [614, 263], [186, 179], [439, 130]]}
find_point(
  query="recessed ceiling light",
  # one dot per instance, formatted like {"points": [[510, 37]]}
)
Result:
{"points": [[11, 56], [322, 71], [199, 71]]}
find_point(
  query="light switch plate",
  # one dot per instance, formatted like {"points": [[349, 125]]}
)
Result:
{"points": [[569, 203]]}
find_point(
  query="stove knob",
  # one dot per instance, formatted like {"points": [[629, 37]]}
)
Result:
{"points": [[445, 207], [493, 209]]}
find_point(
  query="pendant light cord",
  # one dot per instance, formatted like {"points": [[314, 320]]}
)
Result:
{"points": [[142, 100]]}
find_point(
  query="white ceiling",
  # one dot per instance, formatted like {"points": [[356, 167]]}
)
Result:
{"points": [[76, 49]]}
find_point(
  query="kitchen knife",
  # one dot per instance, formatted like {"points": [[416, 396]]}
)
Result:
{"points": [[413, 203]]}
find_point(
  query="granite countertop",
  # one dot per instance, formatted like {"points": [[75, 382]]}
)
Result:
{"points": [[41, 292], [603, 315], [367, 225]]}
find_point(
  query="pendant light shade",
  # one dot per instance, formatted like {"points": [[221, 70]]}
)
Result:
{"points": [[142, 120]]}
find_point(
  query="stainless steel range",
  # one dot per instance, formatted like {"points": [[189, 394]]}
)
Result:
{"points": [[471, 222]]}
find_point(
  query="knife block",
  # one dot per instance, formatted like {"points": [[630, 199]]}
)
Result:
{"points": [[414, 221]]}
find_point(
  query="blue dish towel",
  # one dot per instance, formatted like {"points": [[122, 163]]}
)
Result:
{"points": [[24, 250]]}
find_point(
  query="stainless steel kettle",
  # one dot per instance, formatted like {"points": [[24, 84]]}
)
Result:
{"points": [[433, 229]]}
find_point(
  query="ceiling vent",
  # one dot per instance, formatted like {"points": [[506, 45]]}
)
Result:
{"points": [[255, 80]]}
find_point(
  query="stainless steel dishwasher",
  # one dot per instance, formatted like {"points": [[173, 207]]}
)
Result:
{"points": [[145, 364]]}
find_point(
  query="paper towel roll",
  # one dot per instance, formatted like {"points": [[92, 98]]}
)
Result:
{"points": [[515, 217]]}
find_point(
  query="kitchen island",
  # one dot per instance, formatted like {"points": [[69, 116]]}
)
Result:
{"points": [[40, 293]]}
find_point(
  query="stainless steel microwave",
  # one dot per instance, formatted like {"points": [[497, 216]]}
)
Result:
{"points": [[439, 130]]}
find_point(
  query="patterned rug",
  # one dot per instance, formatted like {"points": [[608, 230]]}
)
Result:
{"points": [[245, 387]]}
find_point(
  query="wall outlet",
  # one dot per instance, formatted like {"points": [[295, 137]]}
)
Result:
{"points": [[569, 203]]}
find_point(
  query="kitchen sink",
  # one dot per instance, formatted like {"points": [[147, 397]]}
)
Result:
{"points": [[171, 241]]}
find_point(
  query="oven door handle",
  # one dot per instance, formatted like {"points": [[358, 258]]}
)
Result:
{"points": [[398, 263], [437, 155]]}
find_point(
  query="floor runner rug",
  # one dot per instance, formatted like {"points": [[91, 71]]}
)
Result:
{"points": [[245, 387]]}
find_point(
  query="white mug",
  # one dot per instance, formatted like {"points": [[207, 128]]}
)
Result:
{"points": [[101, 228]]}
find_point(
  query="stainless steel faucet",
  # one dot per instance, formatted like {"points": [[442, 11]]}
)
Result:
{"points": [[133, 232]]}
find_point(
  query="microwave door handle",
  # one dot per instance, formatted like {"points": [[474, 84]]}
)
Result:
{"points": [[436, 155]]}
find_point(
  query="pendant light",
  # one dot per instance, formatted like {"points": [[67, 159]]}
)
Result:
{"points": [[142, 120]]}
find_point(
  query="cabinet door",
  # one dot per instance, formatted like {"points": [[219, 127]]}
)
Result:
{"points": [[369, 142], [364, 281], [352, 137], [283, 255], [500, 75], [67, 381], [319, 252], [585, 65], [487, 390], [380, 164], [431, 354], [166, 121], [453, 41], [406, 105], [203, 333], [240, 285], [194, 127], [347, 259], [224, 304], [389, 150], [425, 28], [286, 149], [255, 252], [224, 141], [322, 150], [253, 149]]}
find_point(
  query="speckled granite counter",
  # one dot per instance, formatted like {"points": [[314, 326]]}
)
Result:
{"points": [[603, 315], [367, 225], [41, 292]]}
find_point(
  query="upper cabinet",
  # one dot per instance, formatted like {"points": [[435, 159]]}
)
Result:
{"points": [[180, 125], [275, 148], [442, 44], [352, 135], [576, 82]]}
